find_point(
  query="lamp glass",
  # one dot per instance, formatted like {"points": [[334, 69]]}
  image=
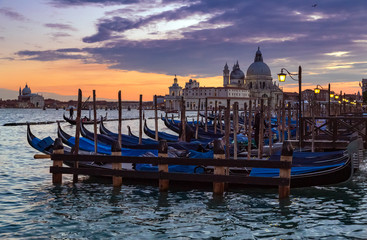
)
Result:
{"points": [[336, 97], [331, 95], [281, 77], [317, 90]]}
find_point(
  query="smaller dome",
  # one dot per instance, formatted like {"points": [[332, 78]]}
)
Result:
{"points": [[237, 73], [26, 90]]}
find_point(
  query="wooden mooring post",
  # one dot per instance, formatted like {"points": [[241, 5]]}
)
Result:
{"points": [[119, 118], [156, 117], [77, 132], [140, 119], [116, 151], [58, 148], [249, 134], [286, 156], [95, 122], [218, 187], [163, 153]]}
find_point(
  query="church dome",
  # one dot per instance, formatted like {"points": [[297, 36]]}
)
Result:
{"points": [[26, 90], [258, 67], [237, 73]]}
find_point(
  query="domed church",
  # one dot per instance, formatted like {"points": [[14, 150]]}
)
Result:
{"points": [[257, 84], [259, 81], [28, 99]]}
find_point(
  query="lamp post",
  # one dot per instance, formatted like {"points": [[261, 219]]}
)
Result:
{"points": [[281, 78], [317, 91]]}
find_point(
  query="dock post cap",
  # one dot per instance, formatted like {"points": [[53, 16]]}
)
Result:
{"points": [[163, 146], [58, 144], [218, 147], [287, 149], [115, 147]]}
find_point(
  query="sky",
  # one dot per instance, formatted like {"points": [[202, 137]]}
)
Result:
{"points": [[138, 46]]}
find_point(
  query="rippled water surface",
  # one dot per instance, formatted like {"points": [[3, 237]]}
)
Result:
{"points": [[32, 208]]}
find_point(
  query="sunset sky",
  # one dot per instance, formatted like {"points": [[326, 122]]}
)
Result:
{"points": [[137, 46]]}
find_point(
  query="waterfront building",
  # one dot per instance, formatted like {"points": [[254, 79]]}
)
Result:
{"points": [[28, 99], [364, 90], [173, 99], [256, 85]]}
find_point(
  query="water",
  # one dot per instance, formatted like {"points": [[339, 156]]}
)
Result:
{"points": [[32, 208]]}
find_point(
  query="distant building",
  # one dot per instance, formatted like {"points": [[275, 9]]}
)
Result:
{"points": [[364, 90], [28, 99], [257, 85], [174, 97]]}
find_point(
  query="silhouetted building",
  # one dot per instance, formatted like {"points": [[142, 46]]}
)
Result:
{"points": [[28, 99]]}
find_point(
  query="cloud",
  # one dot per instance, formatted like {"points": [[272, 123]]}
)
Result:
{"points": [[60, 35], [52, 55], [7, 12], [66, 3], [199, 37], [59, 26]]}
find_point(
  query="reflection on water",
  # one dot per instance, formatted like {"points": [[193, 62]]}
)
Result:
{"points": [[31, 207]]}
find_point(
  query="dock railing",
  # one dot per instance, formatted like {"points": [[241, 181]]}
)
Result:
{"points": [[218, 178]]}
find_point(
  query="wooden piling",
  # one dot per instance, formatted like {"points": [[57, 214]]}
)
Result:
{"points": [[215, 117], [227, 126], [286, 156], [140, 119], [289, 120], [220, 120], [116, 151], [120, 118], [279, 125], [163, 153], [249, 134], [156, 117], [269, 129], [95, 122], [218, 187], [206, 114], [245, 117], [77, 132], [58, 148], [235, 125], [183, 120], [197, 121], [260, 148], [283, 120]]}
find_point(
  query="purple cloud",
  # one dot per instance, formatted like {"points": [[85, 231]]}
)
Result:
{"points": [[293, 31], [59, 26], [12, 14]]}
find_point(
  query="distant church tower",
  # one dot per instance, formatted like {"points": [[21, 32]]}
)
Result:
{"points": [[225, 75]]}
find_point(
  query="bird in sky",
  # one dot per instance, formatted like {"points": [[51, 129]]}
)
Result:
{"points": [[314, 5]]}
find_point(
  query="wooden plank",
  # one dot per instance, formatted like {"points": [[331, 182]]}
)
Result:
{"points": [[236, 179], [176, 161]]}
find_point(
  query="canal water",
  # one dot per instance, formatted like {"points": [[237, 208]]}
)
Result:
{"points": [[32, 208]]}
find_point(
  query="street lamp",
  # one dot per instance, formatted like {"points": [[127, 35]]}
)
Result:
{"points": [[281, 78], [317, 89]]}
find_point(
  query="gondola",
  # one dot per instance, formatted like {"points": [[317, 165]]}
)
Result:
{"points": [[201, 133], [161, 135], [84, 120], [200, 145], [330, 169], [88, 145]]}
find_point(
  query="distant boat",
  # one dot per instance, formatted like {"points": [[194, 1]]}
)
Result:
{"points": [[85, 120]]}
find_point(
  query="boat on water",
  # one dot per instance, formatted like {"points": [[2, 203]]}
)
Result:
{"points": [[84, 120], [308, 169]]}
